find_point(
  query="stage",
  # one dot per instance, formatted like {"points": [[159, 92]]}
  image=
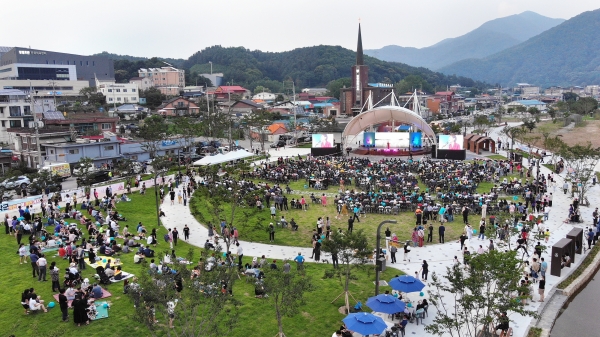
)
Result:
{"points": [[373, 151]]}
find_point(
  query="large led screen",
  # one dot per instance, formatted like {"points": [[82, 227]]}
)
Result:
{"points": [[322, 141], [392, 140], [416, 140], [451, 142], [369, 139]]}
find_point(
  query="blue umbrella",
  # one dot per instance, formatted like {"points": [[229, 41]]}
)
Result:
{"points": [[406, 284], [365, 323], [385, 303]]}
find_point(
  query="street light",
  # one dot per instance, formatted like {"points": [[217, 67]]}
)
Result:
{"points": [[378, 248]]}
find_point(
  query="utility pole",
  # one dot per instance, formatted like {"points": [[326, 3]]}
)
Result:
{"points": [[35, 122]]}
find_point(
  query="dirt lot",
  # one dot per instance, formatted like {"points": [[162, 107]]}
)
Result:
{"points": [[570, 135]]}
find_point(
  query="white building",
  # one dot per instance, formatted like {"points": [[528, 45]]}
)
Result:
{"points": [[265, 96], [216, 79], [15, 110], [527, 89], [118, 93], [141, 82], [592, 90], [527, 103]]}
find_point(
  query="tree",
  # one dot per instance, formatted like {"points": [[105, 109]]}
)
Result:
{"points": [[333, 87], [201, 308], [529, 124], [187, 128], [520, 108], [260, 88], [533, 111], [154, 131], [92, 96], [511, 132], [570, 97], [153, 97], [482, 123], [500, 111], [44, 178], [85, 166], [585, 105], [411, 83], [482, 290], [286, 293], [582, 159], [353, 251], [255, 123], [552, 143]]}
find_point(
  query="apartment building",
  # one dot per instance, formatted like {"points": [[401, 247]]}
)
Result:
{"points": [[169, 80]]}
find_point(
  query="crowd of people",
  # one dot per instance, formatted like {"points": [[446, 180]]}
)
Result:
{"points": [[78, 231]]}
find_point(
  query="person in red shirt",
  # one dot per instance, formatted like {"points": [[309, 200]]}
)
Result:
{"points": [[62, 252]]}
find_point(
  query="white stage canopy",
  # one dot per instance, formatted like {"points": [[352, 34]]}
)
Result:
{"points": [[223, 158]]}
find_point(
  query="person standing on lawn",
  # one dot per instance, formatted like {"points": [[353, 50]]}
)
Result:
{"points": [[64, 305], [175, 235], [441, 232], [186, 232]]}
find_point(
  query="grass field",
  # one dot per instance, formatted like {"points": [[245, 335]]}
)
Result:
{"points": [[252, 223], [256, 315]]}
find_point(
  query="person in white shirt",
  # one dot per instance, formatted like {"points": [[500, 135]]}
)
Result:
{"points": [[546, 212], [35, 304], [42, 264]]}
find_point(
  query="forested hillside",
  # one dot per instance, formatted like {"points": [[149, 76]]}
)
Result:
{"points": [[568, 54], [308, 67]]}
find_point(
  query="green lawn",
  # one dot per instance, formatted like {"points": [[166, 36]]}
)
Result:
{"points": [[496, 157], [252, 223], [256, 315]]}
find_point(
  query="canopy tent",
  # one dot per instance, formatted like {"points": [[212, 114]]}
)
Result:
{"points": [[383, 114], [223, 158]]}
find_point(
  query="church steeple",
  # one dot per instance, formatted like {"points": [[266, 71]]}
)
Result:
{"points": [[359, 49]]}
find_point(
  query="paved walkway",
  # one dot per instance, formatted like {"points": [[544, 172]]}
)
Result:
{"points": [[439, 256]]}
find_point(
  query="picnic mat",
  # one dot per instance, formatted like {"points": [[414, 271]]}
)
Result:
{"points": [[101, 311], [103, 261], [125, 276], [105, 294], [46, 249]]}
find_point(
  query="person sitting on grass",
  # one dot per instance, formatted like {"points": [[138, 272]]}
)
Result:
{"points": [[36, 304], [25, 300]]}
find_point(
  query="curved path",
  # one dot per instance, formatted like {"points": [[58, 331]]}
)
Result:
{"points": [[439, 256]]}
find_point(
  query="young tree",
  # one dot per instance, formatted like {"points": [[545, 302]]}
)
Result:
{"points": [[154, 131], [202, 307], [353, 251], [499, 113], [86, 168], [286, 292], [255, 124], [512, 132], [552, 144], [482, 123], [582, 159], [488, 286]]}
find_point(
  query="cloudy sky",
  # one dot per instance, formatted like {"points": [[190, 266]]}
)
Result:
{"points": [[178, 28]]}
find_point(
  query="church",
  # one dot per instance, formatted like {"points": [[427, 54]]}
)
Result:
{"points": [[353, 99]]}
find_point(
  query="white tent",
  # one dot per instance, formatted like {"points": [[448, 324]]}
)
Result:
{"points": [[223, 158]]}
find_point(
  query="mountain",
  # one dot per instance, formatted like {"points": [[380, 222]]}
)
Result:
{"points": [[174, 62], [490, 38], [309, 67], [568, 54]]}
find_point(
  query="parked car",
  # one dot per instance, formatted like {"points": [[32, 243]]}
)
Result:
{"points": [[13, 182], [96, 177], [79, 170], [278, 144]]}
